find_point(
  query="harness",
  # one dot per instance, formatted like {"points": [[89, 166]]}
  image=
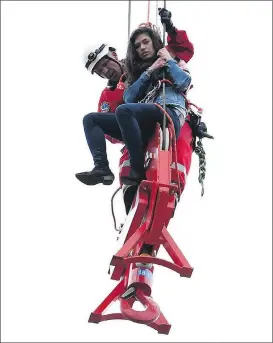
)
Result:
{"points": [[199, 128]]}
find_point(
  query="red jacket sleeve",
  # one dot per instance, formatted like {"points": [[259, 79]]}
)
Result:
{"points": [[104, 106], [179, 45]]}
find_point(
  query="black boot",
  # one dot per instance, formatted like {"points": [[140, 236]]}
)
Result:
{"points": [[134, 178], [100, 174]]}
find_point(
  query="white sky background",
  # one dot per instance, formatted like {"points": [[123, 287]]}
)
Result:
{"points": [[57, 234]]}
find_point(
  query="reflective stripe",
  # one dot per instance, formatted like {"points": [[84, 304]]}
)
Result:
{"points": [[125, 163], [180, 166]]}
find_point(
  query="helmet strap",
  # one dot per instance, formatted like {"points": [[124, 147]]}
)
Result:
{"points": [[112, 59]]}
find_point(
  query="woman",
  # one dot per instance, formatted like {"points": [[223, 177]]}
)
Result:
{"points": [[145, 61]]}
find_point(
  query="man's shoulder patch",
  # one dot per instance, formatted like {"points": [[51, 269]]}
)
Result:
{"points": [[105, 106], [121, 85]]}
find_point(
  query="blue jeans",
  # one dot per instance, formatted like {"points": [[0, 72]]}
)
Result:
{"points": [[134, 124], [134, 119]]}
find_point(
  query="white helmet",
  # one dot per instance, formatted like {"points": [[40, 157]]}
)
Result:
{"points": [[93, 54]]}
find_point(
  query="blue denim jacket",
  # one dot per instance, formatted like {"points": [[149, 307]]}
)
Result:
{"points": [[180, 79]]}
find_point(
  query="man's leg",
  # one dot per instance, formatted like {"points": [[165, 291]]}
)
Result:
{"points": [[96, 125]]}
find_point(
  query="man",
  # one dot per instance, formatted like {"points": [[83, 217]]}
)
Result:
{"points": [[104, 62]]}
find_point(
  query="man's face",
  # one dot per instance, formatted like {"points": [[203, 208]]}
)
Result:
{"points": [[108, 69], [144, 46]]}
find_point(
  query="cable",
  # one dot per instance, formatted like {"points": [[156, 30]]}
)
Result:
{"points": [[156, 14], [112, 208], [129, 19], [163, 90], [148, 14]]}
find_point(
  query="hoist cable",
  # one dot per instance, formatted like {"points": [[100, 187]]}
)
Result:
{"points": [[129, 19], [148, 14], [156, 14], [163, 90]]}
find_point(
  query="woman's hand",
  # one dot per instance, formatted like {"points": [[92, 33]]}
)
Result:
{"points": [[163, 57], [164, 54], [159, 63]]}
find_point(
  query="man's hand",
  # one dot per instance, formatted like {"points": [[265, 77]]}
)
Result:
{"points": [[165, 17], [182, 64], [164, 54]]}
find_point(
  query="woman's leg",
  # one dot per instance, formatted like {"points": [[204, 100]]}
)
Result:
{"points": [[96, 125], [137, 123]]}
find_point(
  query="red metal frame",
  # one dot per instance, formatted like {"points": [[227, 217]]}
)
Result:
{"points": [[154, 206]]}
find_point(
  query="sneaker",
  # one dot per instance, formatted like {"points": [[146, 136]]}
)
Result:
{"points": [[97, 175], [134, 178]]}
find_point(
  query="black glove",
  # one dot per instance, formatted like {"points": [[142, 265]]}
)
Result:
{"points": [[202, 131], [165, 17]]}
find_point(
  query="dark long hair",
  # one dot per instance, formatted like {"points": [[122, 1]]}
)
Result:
{"points": [[134, 65]]}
